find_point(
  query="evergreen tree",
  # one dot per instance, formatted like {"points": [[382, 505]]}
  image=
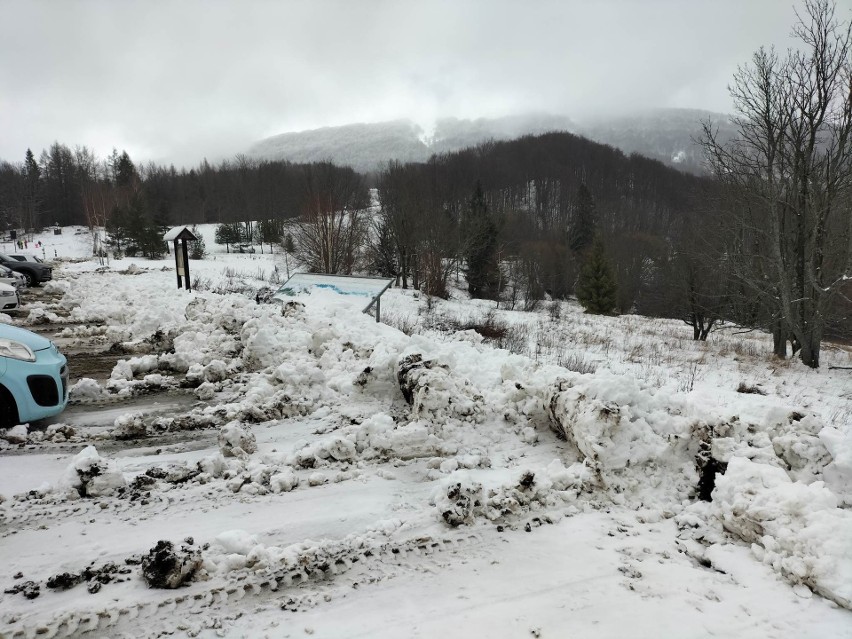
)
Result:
{"points": [[480, 233], [197, 248], [32, 191], [270, 232], [288, 244], [117, 231], [125, 171], [596, 287], [228, 234], [582, 231], [143, 234]]}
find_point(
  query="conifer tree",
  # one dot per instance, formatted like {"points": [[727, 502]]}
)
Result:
{"points": [[197, 248], [596, 287], [228, 234], [480, 233], [32, 193], [117, 230]]}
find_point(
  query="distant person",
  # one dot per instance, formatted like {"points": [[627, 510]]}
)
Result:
{"points": [[20, 244]]}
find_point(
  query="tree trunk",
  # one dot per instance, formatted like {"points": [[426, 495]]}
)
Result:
{"points": [[779, 340], [810, 350]]}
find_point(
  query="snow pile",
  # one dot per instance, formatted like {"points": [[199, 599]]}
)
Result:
{"points": [[86, 388], [236, 441], [57, 287], [283, 481], [236, 541], [796, 441], [41, 316], [838, 473], [633, 438], [90, 475], [460, 498], [334, 449], [15, 435], [433, 392], [129, 426], [794, 527], [380, 436], [59, 433]]}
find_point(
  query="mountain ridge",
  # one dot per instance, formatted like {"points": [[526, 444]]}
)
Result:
{"points": [[663, 134]]}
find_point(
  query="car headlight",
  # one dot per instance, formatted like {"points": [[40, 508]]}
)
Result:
{"points": [[16, 350], [7, 293]]}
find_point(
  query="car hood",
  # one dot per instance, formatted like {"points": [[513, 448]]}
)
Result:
{"points": [[34, 341]]}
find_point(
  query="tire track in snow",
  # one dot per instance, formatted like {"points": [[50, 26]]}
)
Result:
{"points": [[205, 606]]}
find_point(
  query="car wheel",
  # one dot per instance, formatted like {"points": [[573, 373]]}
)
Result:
{"points": [[29, 278], [8, 409]]}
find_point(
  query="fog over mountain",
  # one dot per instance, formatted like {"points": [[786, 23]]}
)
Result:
{"points": [[664, 134], [366, 146]]}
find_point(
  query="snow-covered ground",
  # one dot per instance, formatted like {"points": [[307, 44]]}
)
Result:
{"points": [[319, 474]]}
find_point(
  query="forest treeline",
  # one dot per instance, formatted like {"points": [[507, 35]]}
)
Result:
{"points": [[541, 199]]}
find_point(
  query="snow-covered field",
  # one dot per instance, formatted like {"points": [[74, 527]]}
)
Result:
{"points": [[319, 474]]}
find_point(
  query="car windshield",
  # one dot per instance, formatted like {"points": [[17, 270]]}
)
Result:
{"points": [[5, 258]]}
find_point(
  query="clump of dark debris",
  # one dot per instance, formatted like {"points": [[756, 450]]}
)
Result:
{"points": [[30, 589], [139, 489], [750, 389], [166, 567], [93, 576]]}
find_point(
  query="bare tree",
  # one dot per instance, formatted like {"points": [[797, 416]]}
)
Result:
{"points": [[789, 173], [404, 197], [331, 232]]}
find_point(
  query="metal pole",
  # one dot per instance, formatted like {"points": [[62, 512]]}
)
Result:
{"points": [[378, 309], [186, 265]]}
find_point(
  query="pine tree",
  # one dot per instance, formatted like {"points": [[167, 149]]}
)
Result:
{"points": [[197, 248], [125, 171], [582, 231], [32, 194], [596, 287], [143, 233], [480, 233], [117, 231], [228, 234]]}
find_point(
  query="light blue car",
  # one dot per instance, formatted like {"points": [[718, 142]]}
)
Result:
{"points": [[33, 377]]}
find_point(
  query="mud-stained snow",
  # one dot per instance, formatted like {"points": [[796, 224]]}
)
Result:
{"points": [[250, 470]]}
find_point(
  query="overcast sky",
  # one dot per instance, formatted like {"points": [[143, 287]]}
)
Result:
{"points": [[177, 81]]}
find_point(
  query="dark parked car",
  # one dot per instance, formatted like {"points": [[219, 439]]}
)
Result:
{"points": [[34, 272], [26, 257]]}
